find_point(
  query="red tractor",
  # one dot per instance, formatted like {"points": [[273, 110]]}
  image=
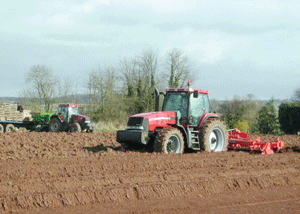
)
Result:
{"points": [[185, 122], [69, 119]]}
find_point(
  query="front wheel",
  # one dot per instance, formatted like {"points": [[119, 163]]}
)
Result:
{"points": [[75, 127], [169, 140], [214, 136]]}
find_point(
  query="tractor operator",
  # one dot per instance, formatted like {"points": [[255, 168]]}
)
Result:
{"points": [[19, 107]]}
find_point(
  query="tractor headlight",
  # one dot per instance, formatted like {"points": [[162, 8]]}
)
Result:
{"points": [[139, 127], [86, 120]]}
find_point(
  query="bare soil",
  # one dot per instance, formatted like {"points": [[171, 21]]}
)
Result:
{"points": [[92, 173]]}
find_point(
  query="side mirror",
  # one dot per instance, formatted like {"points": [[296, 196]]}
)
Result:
{"points": [[196, 94], [162, 93]]}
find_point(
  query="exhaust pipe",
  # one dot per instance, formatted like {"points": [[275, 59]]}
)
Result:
{"points": [[156, 94]]}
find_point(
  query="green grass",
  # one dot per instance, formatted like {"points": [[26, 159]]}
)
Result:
{"points": [[110, 126]]}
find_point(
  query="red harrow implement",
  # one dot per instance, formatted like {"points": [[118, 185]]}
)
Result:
{"points": [[241, 141]]}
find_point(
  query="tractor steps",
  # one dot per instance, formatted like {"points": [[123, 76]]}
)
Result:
{"points": [[194, 137]]}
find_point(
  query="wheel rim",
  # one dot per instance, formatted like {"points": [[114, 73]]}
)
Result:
{"points": [[173, 144], [10, 129], [55, 126], [216, 140], [74, 128]]}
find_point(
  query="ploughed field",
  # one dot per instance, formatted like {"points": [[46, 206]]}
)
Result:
{"points": [[92, 173]]}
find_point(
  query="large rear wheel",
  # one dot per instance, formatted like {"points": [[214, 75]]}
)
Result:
{"points": [[55, 125], [214, 136], [169, 140]]}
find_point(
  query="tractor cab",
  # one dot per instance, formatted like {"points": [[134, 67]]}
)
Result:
{"points": [[190, 104], [67, 110]]}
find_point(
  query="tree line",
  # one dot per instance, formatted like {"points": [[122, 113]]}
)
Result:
{"points": [[118, 91], [113, 92]]}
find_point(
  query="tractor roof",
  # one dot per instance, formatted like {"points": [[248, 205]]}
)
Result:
{"points": [[201, 91], [68, 105]]}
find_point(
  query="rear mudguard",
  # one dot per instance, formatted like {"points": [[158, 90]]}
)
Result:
{"points": [[60, 117], [205, 117]]}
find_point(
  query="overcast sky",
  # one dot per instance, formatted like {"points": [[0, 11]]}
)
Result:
{"points": [[238, 46]]}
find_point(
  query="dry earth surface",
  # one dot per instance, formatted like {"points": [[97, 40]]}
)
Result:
{"points": [[92, 173]]}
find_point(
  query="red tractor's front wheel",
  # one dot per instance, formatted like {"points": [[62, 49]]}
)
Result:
{"points": [[55, 125], [169, 140], [75, 127]]}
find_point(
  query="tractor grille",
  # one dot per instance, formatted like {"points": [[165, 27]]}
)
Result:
{"points": [[135, 121]]}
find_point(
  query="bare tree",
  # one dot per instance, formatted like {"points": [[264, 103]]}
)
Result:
{"points": [[29, 101], [101, 93], [146, 79], [178, 68], [42, 85], [139, 77], [147, 62], [128, 69], [65, 89]]}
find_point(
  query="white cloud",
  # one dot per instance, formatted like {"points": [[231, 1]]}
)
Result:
{"points": [[209, 46], [61, 14], [89, 6], [216, 47]]}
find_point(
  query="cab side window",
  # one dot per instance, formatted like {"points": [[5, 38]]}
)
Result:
{"points": [[206, 103], [196, 108]]}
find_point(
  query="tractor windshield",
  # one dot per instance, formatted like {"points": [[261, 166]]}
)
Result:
{"points": [[73, 110], [177, 101], [62, 111]]}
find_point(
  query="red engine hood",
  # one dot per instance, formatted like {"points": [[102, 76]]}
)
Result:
{"points": [[78, 117], [158, 119]]}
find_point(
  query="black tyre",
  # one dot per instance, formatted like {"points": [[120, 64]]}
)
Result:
{"points": [[169, 140], [55, 125], [1, 128], [214, 136], [10, 128], [75, 127]]}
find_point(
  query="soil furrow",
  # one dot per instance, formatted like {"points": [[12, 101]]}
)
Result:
{"points": [[63, 171]]}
